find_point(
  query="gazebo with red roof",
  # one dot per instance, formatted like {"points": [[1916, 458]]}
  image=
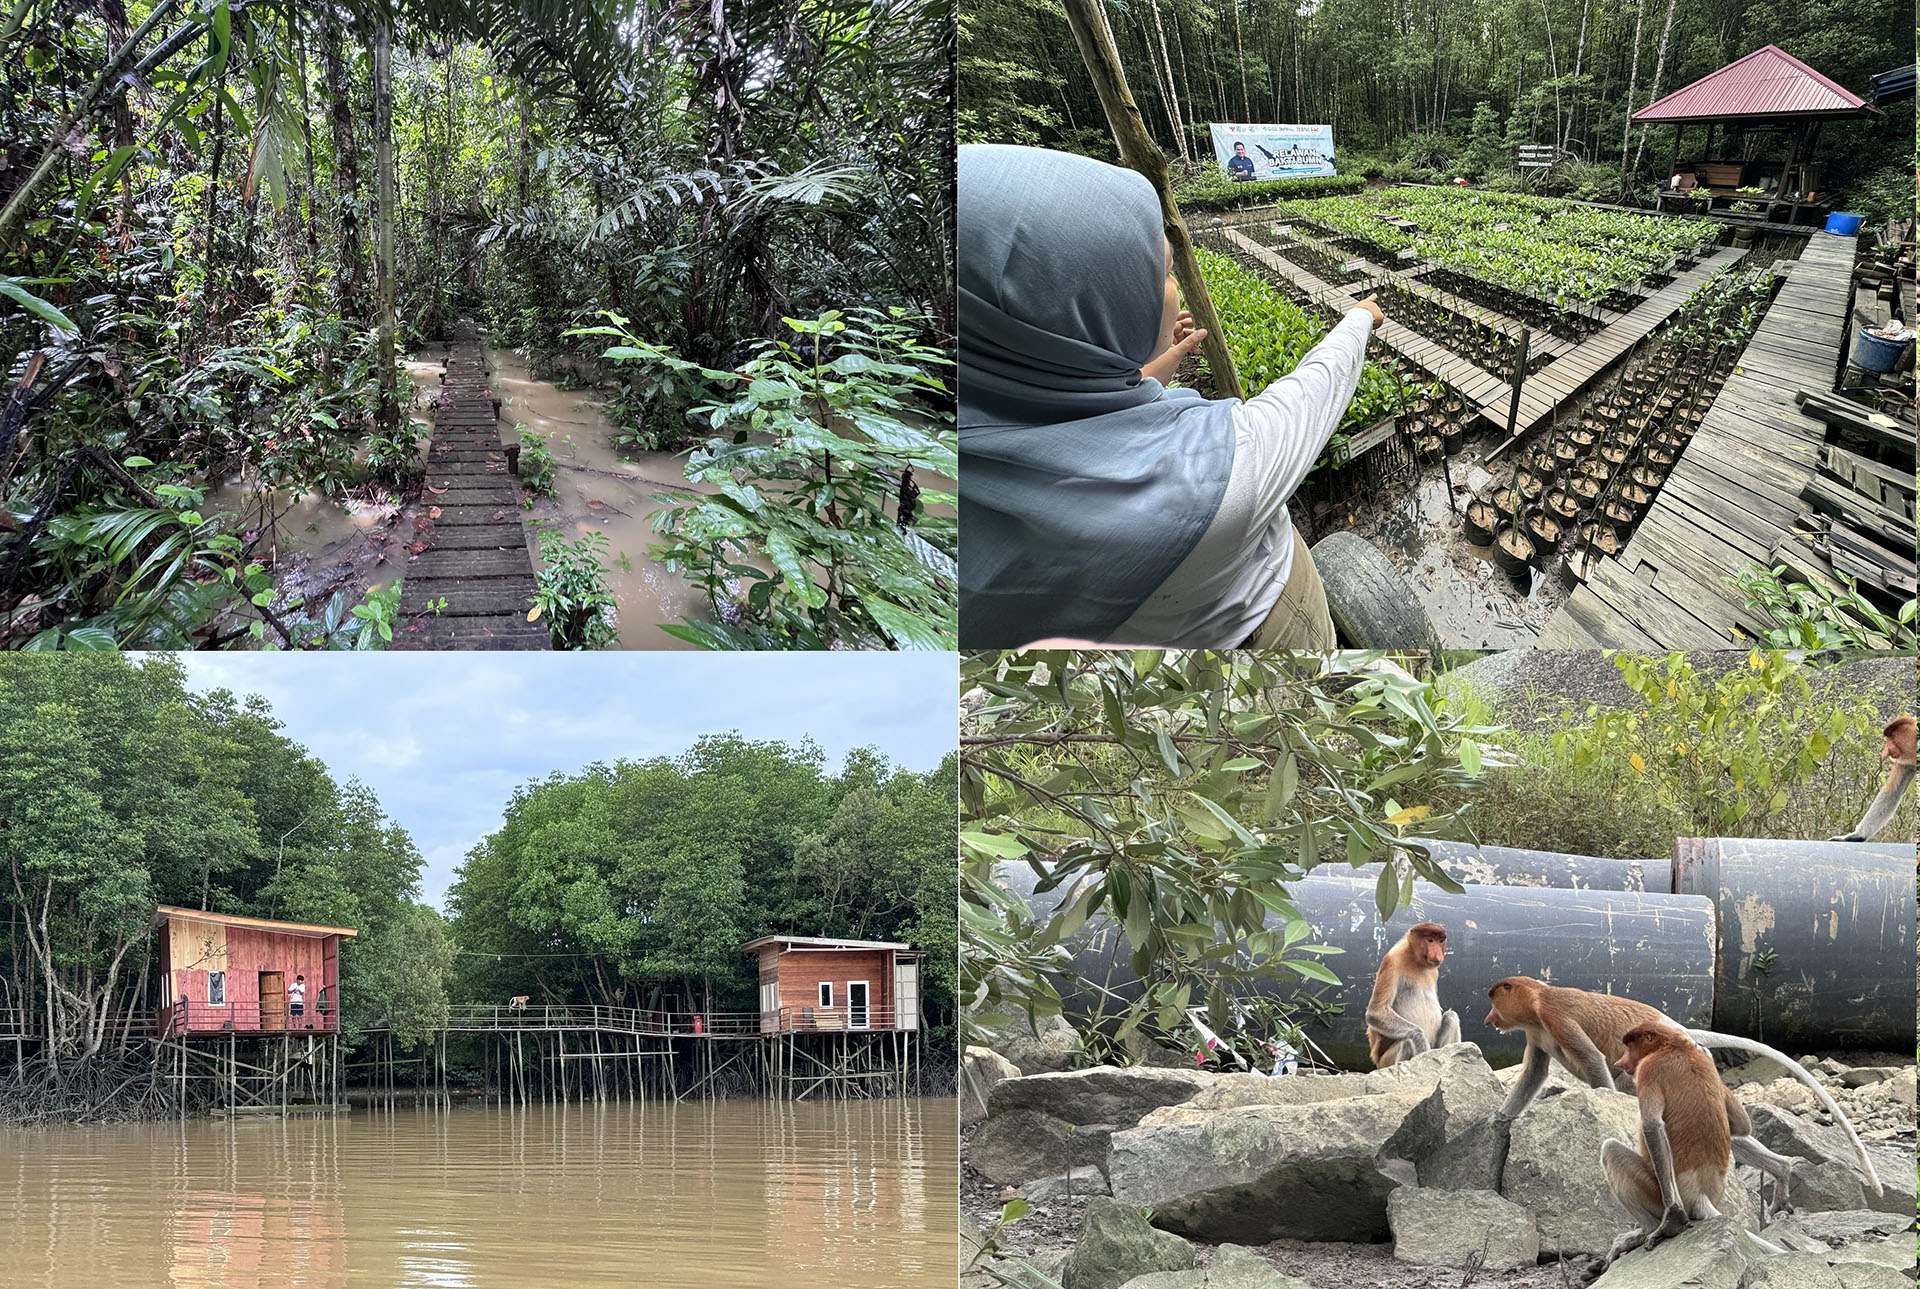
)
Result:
{"points": [[1768, 91]]}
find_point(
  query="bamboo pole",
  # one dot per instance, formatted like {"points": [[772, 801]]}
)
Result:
{"points": [[1139, 152]]}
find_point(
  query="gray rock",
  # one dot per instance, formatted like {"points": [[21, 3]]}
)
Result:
{"points": [[1299, 1165], [1451, 1228], [1019, 1146], [1897, 1254], [1832, 1180], [1081, 1183], [1043, 1047], [980, 1070], [1117, 1244], [1554, 1169], [1115, 1095], [1761, 1069], [1862, 1076], [1865, 1275], [1707, 1255], [1232, 1267], [1835, 1230], [1791, 1271]]}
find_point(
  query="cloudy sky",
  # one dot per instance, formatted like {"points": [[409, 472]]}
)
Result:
{"points": [[445, 738]]}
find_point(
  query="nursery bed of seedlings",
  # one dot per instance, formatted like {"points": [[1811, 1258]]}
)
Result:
{"points": [[1587, 479], [1491, 535]]}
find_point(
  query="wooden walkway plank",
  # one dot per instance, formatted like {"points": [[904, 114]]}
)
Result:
{"points": [[476, 558], [1736, 492]]}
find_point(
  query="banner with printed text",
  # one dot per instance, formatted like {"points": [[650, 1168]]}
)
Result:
{"points": [[1252, 152]]}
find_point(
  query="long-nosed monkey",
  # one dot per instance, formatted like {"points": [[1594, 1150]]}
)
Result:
{"points": [[1898, 753], [1404, 1016], [1679, 1173], [1586, 1033]]}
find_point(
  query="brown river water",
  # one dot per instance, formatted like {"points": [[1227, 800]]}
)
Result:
{"points": [[848, 1195]]}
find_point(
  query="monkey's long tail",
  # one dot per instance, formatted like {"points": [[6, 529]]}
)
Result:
{"points": [[1708, 1038]]}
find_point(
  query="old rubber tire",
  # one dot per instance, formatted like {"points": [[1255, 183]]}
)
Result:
{"points": [[1371, 604]]}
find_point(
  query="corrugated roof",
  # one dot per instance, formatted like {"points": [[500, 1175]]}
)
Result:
{"points": [[1769, 82], [166, 911], [823, 942]]}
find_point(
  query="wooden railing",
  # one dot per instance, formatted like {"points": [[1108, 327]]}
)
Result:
{"points": [[664, 1024], [244, 1016]]}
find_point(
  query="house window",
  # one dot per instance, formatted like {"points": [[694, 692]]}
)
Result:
{"points": [[826, 993], [216, 986]]}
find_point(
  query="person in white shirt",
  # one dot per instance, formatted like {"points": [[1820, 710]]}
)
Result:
{"points": [[1096, 504], [297, 997]]}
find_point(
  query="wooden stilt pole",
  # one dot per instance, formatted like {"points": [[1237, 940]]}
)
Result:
{"points": [[1139, 152]]}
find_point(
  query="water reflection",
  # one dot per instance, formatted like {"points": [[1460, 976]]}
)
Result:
{"points": [[853, 1195]]}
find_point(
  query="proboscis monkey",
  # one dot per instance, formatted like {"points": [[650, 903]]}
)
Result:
{"points": [[1898, 754], [1586, 1032], [1404, 1017], [1679, 1173], [518, 1003]]}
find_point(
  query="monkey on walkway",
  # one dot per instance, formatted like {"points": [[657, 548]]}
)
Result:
{"points": [[1404, 1017], [1586, 1032], [1898, 753], [1679, 1173]]}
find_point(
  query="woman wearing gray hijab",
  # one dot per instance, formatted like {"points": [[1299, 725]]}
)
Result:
{"points": [[1095, 503]]}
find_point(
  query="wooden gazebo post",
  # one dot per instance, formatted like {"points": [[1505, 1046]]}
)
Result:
{"points": [[1139, 152]]}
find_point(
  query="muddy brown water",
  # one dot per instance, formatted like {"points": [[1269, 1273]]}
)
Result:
{"points": [[854, 1195]]}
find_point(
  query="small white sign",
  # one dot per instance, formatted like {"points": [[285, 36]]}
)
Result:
{"points": [[1353, 266], [1406, 254]]}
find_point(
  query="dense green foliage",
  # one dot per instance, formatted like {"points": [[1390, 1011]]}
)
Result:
{"points": [[635, 884], [795, 545], [1734, 745], [120, 790], [1211, 189], [1440, 89], [1268, 335], [1545, 247], [1179, 794], [221, 221]]}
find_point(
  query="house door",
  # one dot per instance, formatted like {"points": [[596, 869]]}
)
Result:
{"points": [[856, 1004], [273, 1000]]}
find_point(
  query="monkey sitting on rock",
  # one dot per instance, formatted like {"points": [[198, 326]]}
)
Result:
{"points": [[1404, 1016], [1586, 1032]]}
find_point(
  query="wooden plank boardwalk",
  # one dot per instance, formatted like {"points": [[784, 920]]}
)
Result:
{"points": [[1735, 492], [1575, 368], [476, 555]]}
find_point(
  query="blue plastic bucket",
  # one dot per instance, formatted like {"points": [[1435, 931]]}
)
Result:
{"points": [[1844, 224], [1876, 353]]}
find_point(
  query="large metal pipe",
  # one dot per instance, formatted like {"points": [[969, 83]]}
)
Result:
{"points": [[1837, 918], [1815, 941], [1505, 866], [1656, 948]]}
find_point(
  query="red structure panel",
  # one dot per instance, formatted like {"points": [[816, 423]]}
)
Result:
{"points": [[1769, 82], [223, 973]]}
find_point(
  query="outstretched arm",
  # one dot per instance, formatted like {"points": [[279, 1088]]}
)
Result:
{"points": [[1653, 1130], [1880, 812], [1532, 1074]]}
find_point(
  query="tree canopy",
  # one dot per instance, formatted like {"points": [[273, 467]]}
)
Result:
{"points": [[636, 883], [1430, 89]]}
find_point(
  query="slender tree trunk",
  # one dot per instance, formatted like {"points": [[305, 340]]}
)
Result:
{"points": [[1553, 68], [346, 172], [1137, 152], [1579, 59], [1659, 71], [389, 415], [1240, 60], [1633, 86], [1173, 106]]}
